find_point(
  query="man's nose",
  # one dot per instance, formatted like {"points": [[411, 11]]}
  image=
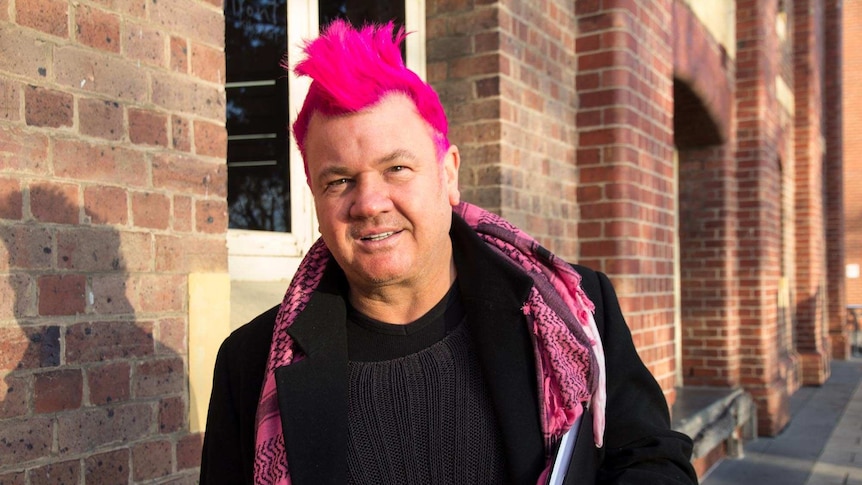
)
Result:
{"points": [[370, 197]]}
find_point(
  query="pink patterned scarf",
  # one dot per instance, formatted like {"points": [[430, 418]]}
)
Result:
{"points": [[569, 355]]}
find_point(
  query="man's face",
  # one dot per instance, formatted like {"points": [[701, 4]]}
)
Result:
{"points": [[383, 200]]}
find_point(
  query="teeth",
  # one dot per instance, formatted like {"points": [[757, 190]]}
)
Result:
{"points": [[378, 237]]}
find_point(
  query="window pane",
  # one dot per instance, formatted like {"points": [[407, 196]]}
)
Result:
{"points": [[358, 12], [256, 89]]}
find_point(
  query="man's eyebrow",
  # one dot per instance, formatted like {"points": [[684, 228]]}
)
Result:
{"points": [[341, 170], [332, 171], [399, 154]]}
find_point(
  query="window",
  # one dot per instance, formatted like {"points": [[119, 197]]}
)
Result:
{"points": [[258, 176], [271, 215]]}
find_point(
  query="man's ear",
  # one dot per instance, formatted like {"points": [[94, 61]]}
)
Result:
{"points": [[451, 164]]}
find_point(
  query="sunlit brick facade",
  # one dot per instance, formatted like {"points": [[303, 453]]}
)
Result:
{"points": [[699, 153]]}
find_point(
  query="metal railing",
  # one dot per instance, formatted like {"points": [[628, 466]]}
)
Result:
{"points": [[854, 315]]}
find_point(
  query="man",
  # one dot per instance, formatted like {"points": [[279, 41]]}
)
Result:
{"points": [[425, 340]]}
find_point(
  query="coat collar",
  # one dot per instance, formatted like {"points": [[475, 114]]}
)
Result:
{"points": [[313, 391]]}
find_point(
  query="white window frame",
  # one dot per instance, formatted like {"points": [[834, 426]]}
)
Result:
{"points": [[274, 256]]}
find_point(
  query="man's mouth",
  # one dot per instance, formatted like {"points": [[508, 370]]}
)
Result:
{"points": [[378, 237]]}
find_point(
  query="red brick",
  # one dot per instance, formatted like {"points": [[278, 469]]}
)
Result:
{"points": [[97, 28], [12, 478], [148, 127], [190, 18], [109, 383], [89, 249], [52, 202], [172, 337], [137, 253], [152, 460], [31, 347], [475, 66], [106, 205], [11, 205], [161, 293], [211, 216], [105, 341], [210, 139], [145, 44], [40, 350], [87, 429], [182, 215], [23, 151], [61, 294], [172, 413], [14, 395], [99, 118], [58, 390], [109, 467], [49, 16], [99, 163], [109, 294], [10, 100], [174, 93], [189, 451], [27, 247], [190, 175], [89, 70], [24, 53], [48, 108], [130, 8], [151, 210], [170, 253], [180, 134], [179, 54], [159, 377], [25, 440], [488, 87], [60, 473], [208, 63]]}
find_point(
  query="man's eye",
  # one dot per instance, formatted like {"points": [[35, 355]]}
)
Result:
{"points": [[337, 182]]}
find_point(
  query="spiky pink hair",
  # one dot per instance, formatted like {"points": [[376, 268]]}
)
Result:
{"points": [[352, 69]]}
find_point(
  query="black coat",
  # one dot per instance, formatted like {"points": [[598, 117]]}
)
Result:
{"points": [[639, 446]]}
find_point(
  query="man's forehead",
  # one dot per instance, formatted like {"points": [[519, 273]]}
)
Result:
{"points": [[395, 101]]}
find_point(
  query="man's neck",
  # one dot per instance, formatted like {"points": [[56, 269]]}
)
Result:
{"points": [[402, 304]]}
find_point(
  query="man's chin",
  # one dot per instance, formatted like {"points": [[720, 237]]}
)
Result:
{"points": [[380, 274]]}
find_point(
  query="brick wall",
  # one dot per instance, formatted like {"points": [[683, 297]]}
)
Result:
{"points": [[760, 161], [708, 247], [505, 72], [112, 191], [810, 224], [703, 134], [836, 296], [626, 190], [852, 130]]}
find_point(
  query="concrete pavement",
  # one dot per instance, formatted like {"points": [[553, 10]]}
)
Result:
{"points": [[822, 445]]}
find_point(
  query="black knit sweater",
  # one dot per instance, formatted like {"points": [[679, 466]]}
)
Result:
{"points": [[424, 417]]}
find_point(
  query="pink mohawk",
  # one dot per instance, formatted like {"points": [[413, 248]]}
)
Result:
{"points": [[353, 69]]}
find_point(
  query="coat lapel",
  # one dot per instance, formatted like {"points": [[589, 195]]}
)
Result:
{"points": [[493, 291], [312, 392]]}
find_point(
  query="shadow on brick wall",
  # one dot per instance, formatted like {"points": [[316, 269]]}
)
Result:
{"points": [[91, 392]]}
